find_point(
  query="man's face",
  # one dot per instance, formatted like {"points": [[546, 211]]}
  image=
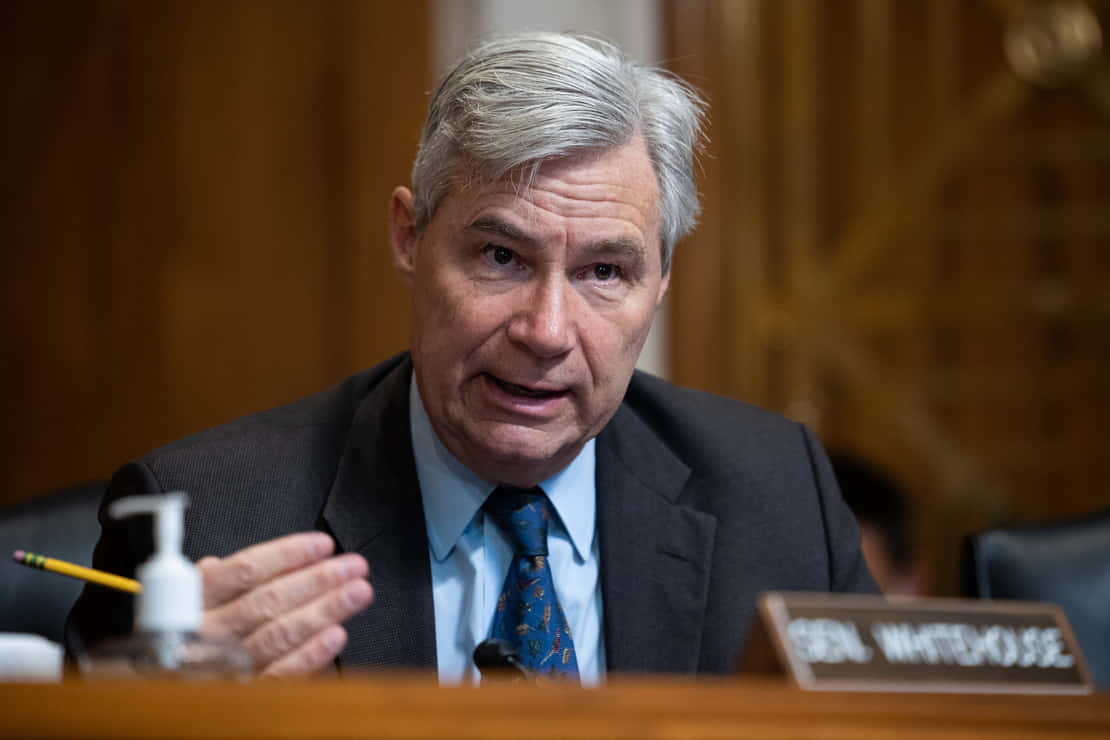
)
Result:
{"points": [[530, 308]]}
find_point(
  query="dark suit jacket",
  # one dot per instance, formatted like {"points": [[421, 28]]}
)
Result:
{"points": [[702, 503]]}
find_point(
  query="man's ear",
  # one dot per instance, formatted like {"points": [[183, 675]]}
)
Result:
{"points": [[663, 285], [402, 233]]}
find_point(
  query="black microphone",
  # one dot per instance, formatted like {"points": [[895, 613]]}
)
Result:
{"points": [[496, 659]]}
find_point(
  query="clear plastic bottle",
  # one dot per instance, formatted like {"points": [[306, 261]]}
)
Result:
{"points": [[169, 654], [168, 610]]}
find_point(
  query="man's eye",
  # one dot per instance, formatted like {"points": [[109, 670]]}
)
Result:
{"points": [[605, 272], [502, 255]]}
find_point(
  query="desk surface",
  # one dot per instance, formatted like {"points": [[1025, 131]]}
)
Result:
{"points": [[410, 706]]}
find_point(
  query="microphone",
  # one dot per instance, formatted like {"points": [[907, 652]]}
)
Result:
{"points": [[496, 659]]}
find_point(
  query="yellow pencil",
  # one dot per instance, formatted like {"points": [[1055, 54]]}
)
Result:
{"points": [[76, 571]]}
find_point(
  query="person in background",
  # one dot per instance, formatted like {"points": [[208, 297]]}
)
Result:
{"points": [[511, 476], [886, 521]]}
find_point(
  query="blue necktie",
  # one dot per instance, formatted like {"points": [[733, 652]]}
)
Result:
{"points": [[528, 614]]}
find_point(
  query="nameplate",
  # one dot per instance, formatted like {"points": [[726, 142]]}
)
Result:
{"points": [[842, 642]]}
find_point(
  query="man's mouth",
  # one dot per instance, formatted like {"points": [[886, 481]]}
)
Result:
{"points": [[523, 391]]}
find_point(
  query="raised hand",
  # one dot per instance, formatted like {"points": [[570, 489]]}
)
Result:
{"points": [[286, 600]]}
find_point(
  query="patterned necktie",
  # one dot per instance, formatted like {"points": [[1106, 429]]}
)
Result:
{"points": [[528, 613]]}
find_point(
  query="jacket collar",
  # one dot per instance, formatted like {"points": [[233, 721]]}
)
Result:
{"points": [[374, 509]]}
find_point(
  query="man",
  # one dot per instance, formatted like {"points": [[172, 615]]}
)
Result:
{"points": [[552, 181], [886, 521]]}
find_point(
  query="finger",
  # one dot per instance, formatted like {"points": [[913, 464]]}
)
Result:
{"points": [[292, 632], [289, 633], [316, 653], [283, 594], [227, 578]]}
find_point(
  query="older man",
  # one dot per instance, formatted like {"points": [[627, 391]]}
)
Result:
{"points": [[513, 476]]}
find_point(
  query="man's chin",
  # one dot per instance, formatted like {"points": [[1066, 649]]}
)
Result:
{"points": [[519, 460]]}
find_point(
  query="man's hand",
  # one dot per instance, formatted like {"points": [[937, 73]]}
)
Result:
{"points": [[285, 600]]}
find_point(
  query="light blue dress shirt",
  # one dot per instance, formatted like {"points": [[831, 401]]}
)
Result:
{"points": [[470, 556]]}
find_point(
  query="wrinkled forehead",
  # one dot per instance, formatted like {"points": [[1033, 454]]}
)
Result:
{"points": [[601, 168]]}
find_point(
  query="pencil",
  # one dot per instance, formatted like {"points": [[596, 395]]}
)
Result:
{"points": [[76, 571]]}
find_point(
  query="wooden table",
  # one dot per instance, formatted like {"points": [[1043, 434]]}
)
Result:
{"points": [[406, 706]]}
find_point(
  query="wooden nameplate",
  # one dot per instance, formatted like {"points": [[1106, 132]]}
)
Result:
{"points": [[847, 642]]}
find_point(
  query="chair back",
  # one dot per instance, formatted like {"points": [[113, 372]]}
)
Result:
{"points": [[61, 524], [1065, 563]]}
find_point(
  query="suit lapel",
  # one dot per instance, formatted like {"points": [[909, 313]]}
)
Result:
{"points": [[374, 508], [655, 552]]}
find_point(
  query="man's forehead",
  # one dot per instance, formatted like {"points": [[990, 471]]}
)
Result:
{"points": [[616, 185], [627, 165]]}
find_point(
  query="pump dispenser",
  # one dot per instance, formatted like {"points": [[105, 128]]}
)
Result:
{"points": [[169, 610], [171, 599]]}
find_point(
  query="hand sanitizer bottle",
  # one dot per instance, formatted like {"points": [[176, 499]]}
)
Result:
{"points": [[168, 610]]}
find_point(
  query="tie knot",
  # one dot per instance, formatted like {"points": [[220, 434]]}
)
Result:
{"points": [[522, 514]]}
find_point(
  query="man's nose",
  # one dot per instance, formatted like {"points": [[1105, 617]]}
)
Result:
{"points": [[543, 322]]}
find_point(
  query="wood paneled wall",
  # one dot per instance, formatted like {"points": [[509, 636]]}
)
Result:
{"points": [[193, 215], [903, 244], [906, 246]]}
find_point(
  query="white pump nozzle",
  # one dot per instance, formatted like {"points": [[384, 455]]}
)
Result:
{"points": [[171, 598]]}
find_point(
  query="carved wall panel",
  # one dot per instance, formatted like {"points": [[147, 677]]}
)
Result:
{"points": [[907, 241]]}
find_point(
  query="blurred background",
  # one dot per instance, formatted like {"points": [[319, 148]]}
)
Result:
{"points": [[905, 244]]}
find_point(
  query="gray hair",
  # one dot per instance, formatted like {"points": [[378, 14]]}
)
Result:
{"points": [[516, 101]]}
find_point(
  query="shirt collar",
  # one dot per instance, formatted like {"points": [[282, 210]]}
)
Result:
{"points": [[453, 494]]}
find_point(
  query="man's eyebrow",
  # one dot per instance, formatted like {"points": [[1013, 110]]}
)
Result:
{"points": [[499, 228], [625, 248]]}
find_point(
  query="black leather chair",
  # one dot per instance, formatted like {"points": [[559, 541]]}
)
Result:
{"points": [[61, 524], [1066, 563]]}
